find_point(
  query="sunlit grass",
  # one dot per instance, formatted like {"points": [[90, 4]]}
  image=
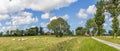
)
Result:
{"points": [[52, 43], [86, 44], [110, 38], [32, 43]]}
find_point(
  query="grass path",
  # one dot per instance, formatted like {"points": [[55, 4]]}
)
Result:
{"points": [[86, 44], [110, 39], [117, 46]]}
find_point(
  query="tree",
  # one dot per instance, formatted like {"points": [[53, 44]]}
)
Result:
{"points": [[32, 31], [110, 32], [1, 33], [99, 16], [90, 24], [18, 32], [58, 26], [41, 31], [7, 33], [113, 7], [80, 31]]}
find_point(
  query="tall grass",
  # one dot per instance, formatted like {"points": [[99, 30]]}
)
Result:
{"points": [[110, 38], [86, 44], [33, 43]]}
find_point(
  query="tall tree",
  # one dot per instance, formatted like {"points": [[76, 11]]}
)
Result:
{"points": [[59, 26], [113, 7], [99, 16], [7, 33], [80, 31], [41, 31], [1, 33], [90, 24]]}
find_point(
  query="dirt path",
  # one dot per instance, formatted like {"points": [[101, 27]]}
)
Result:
{"points": [[117, 46]]}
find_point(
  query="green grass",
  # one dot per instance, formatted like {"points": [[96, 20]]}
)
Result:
{"points": [[86, 44], [42, 43], [51, 43], [110, 38]]}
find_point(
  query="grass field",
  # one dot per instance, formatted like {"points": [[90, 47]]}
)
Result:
{"points": [[86, 44], [110, 38], [51, 43]]}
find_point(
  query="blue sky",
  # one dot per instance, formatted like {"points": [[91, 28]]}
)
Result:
{"points": [[22, 14]]}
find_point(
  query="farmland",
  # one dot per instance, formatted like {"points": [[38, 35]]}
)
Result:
{"points": [[51, 43]]}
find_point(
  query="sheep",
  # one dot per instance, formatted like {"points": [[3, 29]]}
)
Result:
{"points": [[13, 39], [24, 39], [35, 38]]}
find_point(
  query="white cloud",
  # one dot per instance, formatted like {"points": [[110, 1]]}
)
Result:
{"points": [[15, 8], [3, 16], [46, 16], [53, 18], [106, 17], [104, 24], [8, 23], [0, 24], [3, 29], [48, 5], [23, 18], [8, 6], [43, 24], [82, 14], [91, 9], [81, 22], [66, 17], [110, 19], [39, 5]]}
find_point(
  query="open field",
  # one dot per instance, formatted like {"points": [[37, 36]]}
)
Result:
{"points": [[51, 43]]}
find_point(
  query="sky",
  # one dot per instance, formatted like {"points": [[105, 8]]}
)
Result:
{"points": [[22, 14]]}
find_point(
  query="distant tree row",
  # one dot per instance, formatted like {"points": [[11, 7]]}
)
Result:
{"points": [[28, 32]]}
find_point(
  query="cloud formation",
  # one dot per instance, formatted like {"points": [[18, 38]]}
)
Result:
{"points": [[14, 10], [83, 13]]}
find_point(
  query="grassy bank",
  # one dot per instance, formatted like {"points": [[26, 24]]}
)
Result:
{"points": [[110, 38], [86, 44]]}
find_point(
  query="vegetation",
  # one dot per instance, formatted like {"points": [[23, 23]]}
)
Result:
{"points": [[109, 38], [86, 44], [31, 43], [59, 26], [112, 6], [80, 31], [99, 16], [51, 43], [90, 24]]}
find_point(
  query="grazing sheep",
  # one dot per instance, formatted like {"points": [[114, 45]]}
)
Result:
{"points": [[24, 39], [13, 39], [35, 38]]}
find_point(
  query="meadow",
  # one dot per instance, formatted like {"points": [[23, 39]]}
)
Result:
{"points": [[52, 43]]}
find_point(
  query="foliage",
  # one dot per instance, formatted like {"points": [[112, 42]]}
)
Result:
{"points": [[80, 31], [59, 26], [86, 44], [41, 31], [32, 31], [113, 7], [1, 33], [90, 24], [99, 16]]}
